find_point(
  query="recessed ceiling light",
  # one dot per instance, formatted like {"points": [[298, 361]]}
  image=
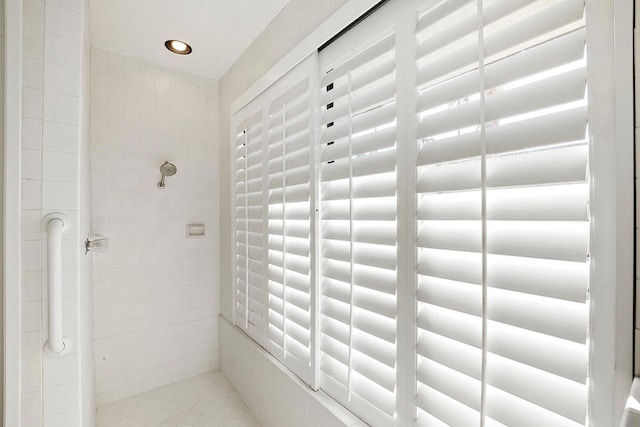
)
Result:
{"points": [[177, 46]]}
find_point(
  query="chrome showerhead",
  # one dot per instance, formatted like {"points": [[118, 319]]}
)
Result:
{"points": [[166, 169]]}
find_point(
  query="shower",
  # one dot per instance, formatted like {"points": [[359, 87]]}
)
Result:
{"points": [[166, 169]]}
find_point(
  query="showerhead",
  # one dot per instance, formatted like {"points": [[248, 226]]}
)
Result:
{"points": [[166, 169]]}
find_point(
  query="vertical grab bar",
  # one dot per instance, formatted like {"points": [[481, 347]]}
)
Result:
{"points": [[54, 225]]}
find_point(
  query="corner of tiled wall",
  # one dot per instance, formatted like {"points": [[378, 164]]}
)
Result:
{"points": [[52, 59]]}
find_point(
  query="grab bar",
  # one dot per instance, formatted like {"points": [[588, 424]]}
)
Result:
{"points": [[54, 225]]}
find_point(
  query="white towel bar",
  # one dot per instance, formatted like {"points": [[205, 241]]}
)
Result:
{"points": [[54, 225]]}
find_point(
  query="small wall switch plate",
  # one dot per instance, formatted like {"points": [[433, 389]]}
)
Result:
{"points": [[195, 231]]}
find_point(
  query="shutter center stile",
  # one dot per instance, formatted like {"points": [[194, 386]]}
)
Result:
{"points": [[483, 186]]}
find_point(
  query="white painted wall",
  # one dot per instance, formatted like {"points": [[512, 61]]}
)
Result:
{"points": [[611, 41], [2, 74], [631, 417], [637, 175], [52, 147], [155, 293]]}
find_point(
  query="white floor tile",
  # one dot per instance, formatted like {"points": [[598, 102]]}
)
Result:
{"points": [[206, 401]]}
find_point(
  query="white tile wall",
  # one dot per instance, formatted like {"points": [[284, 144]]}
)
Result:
{"points": [[53, 34], [276, 397], [155, 294]]}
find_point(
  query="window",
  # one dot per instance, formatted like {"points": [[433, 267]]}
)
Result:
{"points": [[413, 218]]}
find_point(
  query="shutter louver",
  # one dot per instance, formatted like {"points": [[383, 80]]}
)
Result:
{"points": [[358, 241], [289, 220], [249, 227]]}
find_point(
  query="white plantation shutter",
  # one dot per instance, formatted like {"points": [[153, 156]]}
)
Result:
{"points": [[289, 219], [412, 216], [249, 213], [502, 214], [358, 210]]}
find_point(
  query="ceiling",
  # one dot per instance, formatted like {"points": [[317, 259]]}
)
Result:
{"points": [[217, 30]]}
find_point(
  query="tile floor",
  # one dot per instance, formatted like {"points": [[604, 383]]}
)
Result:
{"points": [[206, 400]]}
